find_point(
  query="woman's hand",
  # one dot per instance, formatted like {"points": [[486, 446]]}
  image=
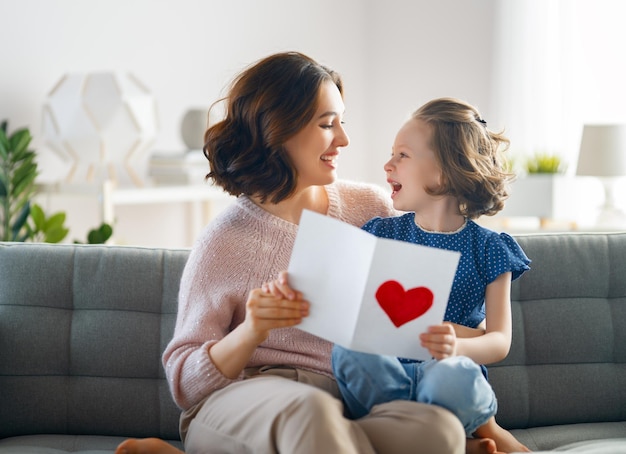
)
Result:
{"points": [[274, 305], [440, 340]]}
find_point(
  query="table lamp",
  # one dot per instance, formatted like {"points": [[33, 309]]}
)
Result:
{"points": [[603, 155], [101, 123]]}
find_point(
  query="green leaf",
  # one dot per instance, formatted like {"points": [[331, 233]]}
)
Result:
{"points": [[3, 189], [22, 168], [21, 185], [20, 220], [54, 221], [23, 156], [19, 140], [38, 217], [100, 235], [94, 237], [4, 141], [56, 234], [4, 147], [106, 230]]}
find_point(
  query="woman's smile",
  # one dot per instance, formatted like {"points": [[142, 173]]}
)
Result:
{"points": [[330, 159]]}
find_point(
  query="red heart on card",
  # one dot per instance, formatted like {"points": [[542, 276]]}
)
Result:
{"points": [[403, 306]]}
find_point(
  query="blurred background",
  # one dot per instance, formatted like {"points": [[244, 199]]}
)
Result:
{"points": [[540, 69]]}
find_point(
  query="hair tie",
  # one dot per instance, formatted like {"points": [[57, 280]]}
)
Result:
{"points": [[480, 120]]}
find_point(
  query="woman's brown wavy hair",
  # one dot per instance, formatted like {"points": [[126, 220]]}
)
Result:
{"points": [[469, 155], [267, 104]]}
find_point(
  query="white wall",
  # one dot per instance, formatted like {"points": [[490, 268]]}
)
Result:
{"points": [[394, 56], [420, 50], [185, 51]]}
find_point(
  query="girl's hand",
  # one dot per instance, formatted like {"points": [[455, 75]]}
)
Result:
{"points": [[440, 340], [274, 305]]}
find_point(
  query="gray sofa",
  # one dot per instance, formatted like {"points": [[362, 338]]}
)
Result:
{"points": [[82, 329]]}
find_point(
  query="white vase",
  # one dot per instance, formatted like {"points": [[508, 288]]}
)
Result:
{"points": [[192, 128]]}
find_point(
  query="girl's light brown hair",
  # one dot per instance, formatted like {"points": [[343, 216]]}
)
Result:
{"points": [[469, 155]]}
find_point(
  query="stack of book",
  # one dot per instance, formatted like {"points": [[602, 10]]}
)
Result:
{"points": [[189, 167]]}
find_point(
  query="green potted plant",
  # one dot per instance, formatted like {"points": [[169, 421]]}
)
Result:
{"points": [[20, 218], [540, 189], [545, 163]]}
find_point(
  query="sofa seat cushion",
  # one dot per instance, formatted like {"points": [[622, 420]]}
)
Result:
{"points": [[552, 437], [614, 446], [62, 444]]}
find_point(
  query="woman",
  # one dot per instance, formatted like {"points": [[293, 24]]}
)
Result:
{"points": [[246, 378]]}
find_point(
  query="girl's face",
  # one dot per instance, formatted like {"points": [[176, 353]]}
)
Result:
{"points": [[314, 149], [412, 167]]}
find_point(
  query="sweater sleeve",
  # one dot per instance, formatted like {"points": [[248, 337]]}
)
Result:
{"points": [[205, 312]]}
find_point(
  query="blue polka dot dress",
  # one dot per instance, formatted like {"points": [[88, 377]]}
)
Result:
{"points": [[485, 255]]}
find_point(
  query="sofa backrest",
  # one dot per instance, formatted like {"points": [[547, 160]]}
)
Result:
{"points": [[82, 328], [567, 363]]}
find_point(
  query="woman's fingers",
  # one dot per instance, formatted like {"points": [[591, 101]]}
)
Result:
{"points": [[264, 305], [277, 308]]}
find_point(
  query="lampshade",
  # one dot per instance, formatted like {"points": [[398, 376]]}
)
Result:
{"points": [[603, 151], [101, 124], [603, 155]]}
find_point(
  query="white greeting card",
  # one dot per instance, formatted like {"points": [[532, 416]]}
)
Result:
{"points": [[367, 293]]}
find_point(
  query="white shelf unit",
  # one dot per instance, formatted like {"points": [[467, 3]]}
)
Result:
{"points": [[203, 201]]}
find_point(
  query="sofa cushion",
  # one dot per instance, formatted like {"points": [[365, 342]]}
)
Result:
{"points": [[63, 444], [552, 437], [567, 363], [86, 325]]}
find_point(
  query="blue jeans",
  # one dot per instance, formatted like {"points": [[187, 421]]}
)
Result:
{"points": [[455, 383]]}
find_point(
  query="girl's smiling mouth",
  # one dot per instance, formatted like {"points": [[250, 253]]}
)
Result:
{"points": [[395, 187]]}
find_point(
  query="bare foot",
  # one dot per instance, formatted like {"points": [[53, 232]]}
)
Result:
{"points": [[146, 446], [504, 440], [480, 446]]}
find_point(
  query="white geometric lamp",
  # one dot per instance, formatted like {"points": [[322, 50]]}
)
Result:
{"points": [[102, 124], [603, 155]]}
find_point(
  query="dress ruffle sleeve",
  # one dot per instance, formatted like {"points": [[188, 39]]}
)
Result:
{"points": [[504, 254]]}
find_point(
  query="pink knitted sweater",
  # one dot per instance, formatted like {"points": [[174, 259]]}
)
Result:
{"points": [[239, 250]]}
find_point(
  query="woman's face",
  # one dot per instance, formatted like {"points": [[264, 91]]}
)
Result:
{"points": [[413, 167], [314, 150]]}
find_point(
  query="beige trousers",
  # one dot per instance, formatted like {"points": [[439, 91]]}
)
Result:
{"points": [[291, 411]]}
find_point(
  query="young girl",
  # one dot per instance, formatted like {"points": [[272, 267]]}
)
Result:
{"points": [[445, 170]]}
